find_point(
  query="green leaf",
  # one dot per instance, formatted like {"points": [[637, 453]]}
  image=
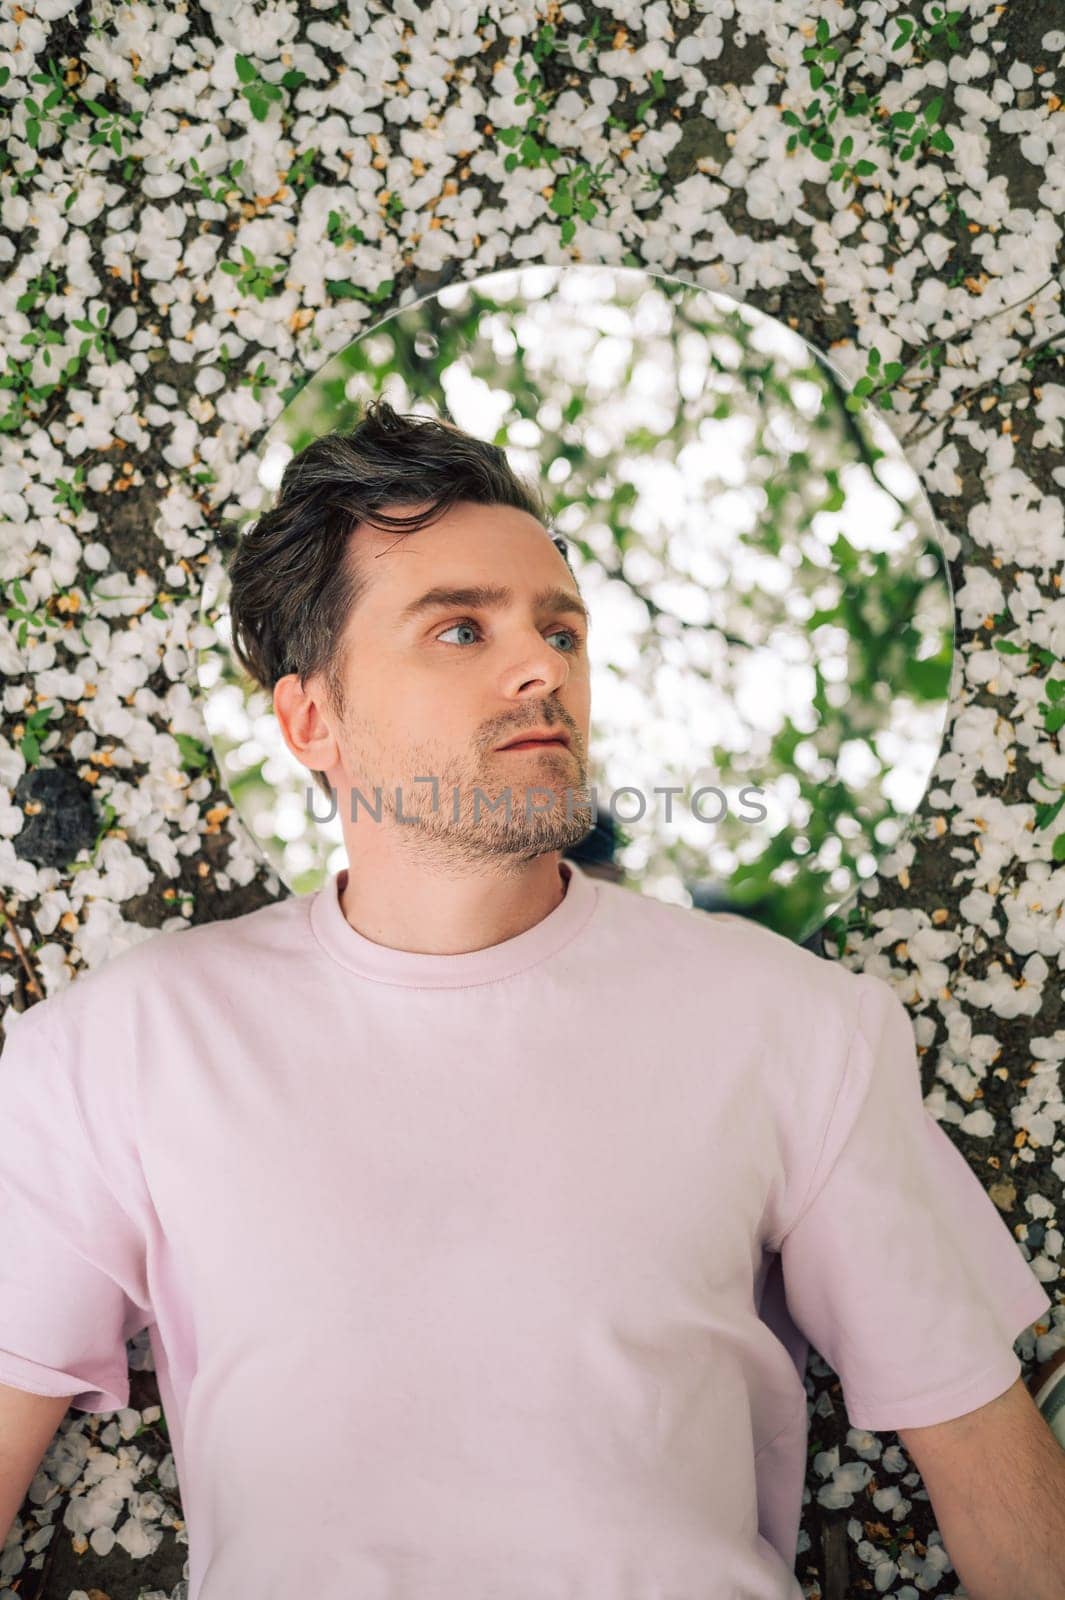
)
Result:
{"points": [[340, 289], [245, 71], [192, 752], [1045, 812]]}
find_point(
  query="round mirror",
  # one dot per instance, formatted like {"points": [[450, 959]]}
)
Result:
{"points": [[771, 639]]}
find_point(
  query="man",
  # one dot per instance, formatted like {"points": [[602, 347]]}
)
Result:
{"points": [[480, 1210]]}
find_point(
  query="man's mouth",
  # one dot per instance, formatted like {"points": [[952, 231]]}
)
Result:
{"points": [[537, 744], [537, 740]]}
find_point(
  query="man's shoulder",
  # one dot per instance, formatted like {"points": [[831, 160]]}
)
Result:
{"points": [[732, 962], [166, 961], [728, 933]]}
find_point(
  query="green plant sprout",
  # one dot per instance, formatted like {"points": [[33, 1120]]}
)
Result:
{"points": [[261, 95], [657, 93], [17, 377], [44, 335], [929, 38], [67, 490], [36, 723], [904, 131], [38, 112], [918, 129], [574, 191], [253, 277], [591, 38], [109, 128], [339, 230], [532, 150], [26, 616], [258, 380], [98, 341], [299, 175], [1053, 712], [224, 187], [876, 383]]}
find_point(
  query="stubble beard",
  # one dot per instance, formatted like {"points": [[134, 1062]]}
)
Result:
{"points": [[471, 822]]}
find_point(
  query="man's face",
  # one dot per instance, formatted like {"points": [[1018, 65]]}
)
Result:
{"points": [[432, 690]]}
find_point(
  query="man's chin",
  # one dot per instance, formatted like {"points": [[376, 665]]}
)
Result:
{"points": [[491, 836]]}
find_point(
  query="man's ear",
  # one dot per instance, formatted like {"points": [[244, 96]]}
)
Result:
{"points": [[303, 723]]}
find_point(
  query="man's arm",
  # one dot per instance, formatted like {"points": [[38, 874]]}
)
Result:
{"points": [[27, 1425], [996, 1480]]}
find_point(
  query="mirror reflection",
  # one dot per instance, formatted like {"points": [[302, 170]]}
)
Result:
{"points": [[770, 648]]}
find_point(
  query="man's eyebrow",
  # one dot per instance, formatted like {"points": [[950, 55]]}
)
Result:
{"points": [[485, 596]]}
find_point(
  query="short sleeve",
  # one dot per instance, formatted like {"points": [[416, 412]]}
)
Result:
{"points": [[898, 1267], [72, 1283]]}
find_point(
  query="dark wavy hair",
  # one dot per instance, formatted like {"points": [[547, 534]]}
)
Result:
{"points": [[294, 578]]}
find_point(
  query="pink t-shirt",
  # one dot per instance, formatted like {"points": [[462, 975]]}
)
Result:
{"points": [[465, 1274]]}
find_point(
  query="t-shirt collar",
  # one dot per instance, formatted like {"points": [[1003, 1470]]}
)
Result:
{"points": [[415, 969]]}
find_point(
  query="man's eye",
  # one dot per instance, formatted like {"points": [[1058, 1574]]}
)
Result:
{"points": [[467, 622]]}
